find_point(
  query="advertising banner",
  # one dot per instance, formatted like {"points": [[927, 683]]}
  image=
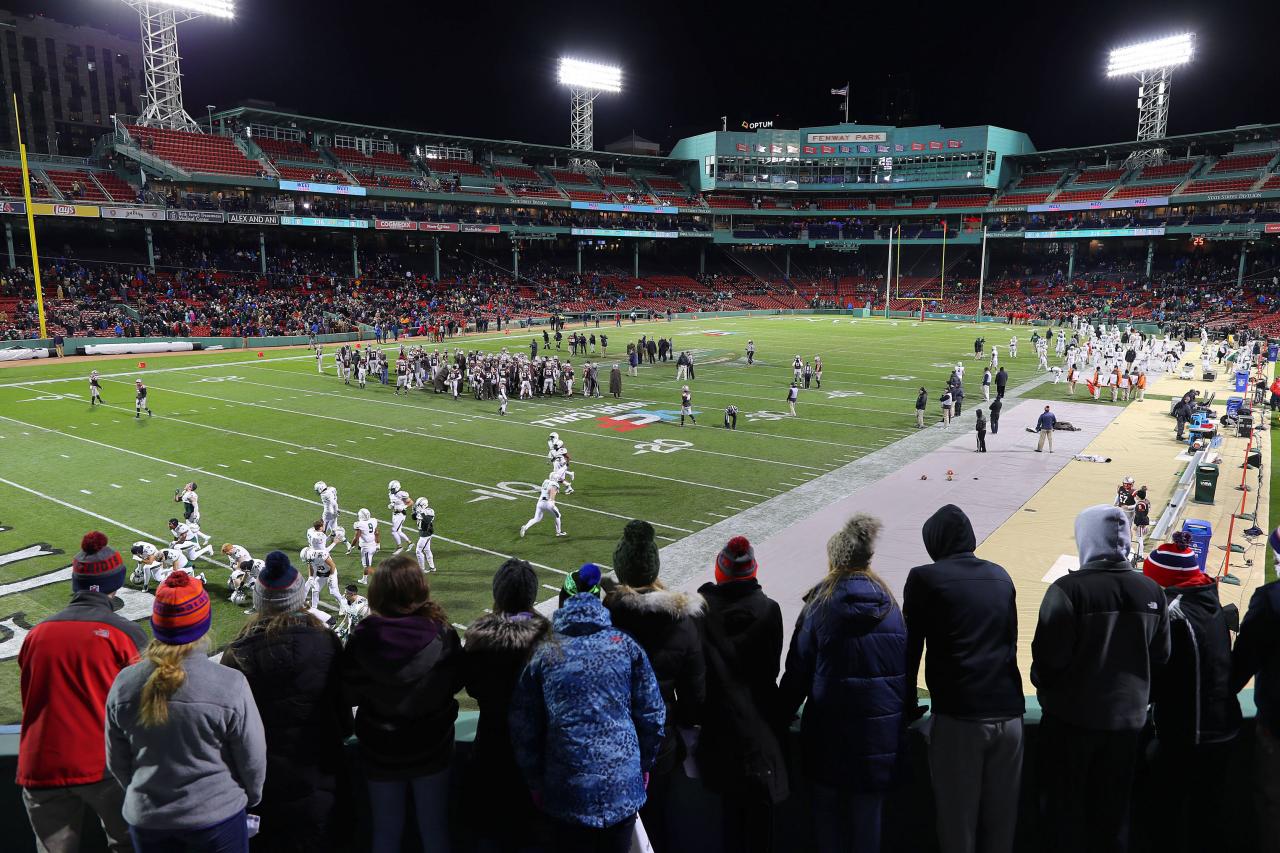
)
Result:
{"points": [[395, 225], [954, 143], [1080, 233], [1105, 204], [207, 216], [622, 208], [617, 232], [13, 207], [474, 228], [438, 226], [331, 189], [877, 136], [149, 214], [934, 145], [809, 149], [741, 146], [253, 218], [42, 209], [323, 222], [1271, 228], [917, 146]]}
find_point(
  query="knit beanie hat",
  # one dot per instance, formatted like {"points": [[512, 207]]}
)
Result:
{"points": [[279, 588], [1175, 564], [181, 613], [852, 546], [585, 579], [98, 567], [515, 586], [635, 560], [736, 561]]}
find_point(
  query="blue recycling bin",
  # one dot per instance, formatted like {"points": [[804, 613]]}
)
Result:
{"points": [[1233, 405], [1273, 350], [1201, 532], [1242, 381]]}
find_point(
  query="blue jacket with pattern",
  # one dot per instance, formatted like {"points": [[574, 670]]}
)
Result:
{"points": [[587, 718]]}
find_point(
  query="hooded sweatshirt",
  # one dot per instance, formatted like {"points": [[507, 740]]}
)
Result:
{"points": [[1103, 630], [964, 609]]}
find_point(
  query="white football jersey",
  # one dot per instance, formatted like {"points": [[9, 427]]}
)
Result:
{"points": [[171, 558], [355, 610], [238, 555], [364, 532], [183, 533], [316, 539], [318, 562], [400, 501], [190, 497], [329, 500], [548, 486]]}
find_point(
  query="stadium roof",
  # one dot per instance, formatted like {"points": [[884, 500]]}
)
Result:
{"points": [[257, 115], [1176, 145]]}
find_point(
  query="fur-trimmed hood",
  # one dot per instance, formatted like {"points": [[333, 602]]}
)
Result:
{"points": [[503, 633], [652, 602]]}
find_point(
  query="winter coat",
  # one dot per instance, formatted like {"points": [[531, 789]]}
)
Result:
{"points": [[662, 622], [1257, 652], [68, 663], [401, 673], [293, 674], [964, 609], [1102, 631], [739, 751], [497, 650], [848, 664], [1191, 695], [922, 400], [587, 718], [615, 381]]}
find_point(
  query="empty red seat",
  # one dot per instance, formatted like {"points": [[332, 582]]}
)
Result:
{"points": [[1100, 175], [1039, 179], [195, 152], [287, 149], [1167, 170], [1219, 185], [66, 181], [1143, 190], [1242, 162], [1081, 195]]}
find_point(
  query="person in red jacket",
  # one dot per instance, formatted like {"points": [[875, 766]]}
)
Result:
{"points": [[68, 663]]}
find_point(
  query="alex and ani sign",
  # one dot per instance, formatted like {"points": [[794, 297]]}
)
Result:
{"points": [[870, 136]]}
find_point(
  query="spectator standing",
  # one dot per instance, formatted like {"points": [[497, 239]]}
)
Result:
{"points": [[963, 611], [847, 664], [986, 384], [1102, 632], [1045, 425], [947, 402], [739, 752], [980, 424], [183, 734], [586, 725], [996, 405], [663, 623], [67, 664], [1002, 379], [1257, 655], [290, 660], [1196, 713], [615, 381], [499, 645], [401, 668], [922, 403]]}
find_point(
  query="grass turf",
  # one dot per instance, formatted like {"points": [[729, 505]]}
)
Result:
{"points": [[256, 433]]}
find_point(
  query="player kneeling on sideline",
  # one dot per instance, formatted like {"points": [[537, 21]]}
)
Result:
{"points": [[546, 507], [425, 517], [369, 540], [351, 609], [731, 417], [242, 580], [320, 574], [157, 563], [186, 539]]}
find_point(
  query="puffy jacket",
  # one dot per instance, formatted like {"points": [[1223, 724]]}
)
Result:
{"points": [[663, 623], [848, 659], [1257, 653], [68, 663], [965, 610], [401, 673], [293, 674], [1192, 698], [1102, 632], [587, 718]]}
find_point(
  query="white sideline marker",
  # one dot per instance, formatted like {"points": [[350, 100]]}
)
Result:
{"points": [[85, 492], [143, 480]]}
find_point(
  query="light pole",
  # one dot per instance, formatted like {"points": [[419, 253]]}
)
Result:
{"points": [[1152, 64], [209, 109], [586, 80]]}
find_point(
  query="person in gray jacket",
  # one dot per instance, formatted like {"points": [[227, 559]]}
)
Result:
{"points": [[183, 734], [1103, 630]]}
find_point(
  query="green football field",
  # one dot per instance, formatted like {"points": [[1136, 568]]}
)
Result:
{"points": [[257, 432]]}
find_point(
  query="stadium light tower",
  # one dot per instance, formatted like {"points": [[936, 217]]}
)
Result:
{"points": [[1152, 63], [160, 60], [586, 80]]}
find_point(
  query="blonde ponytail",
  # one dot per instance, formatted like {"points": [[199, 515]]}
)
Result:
{"points": [[164, 681]]}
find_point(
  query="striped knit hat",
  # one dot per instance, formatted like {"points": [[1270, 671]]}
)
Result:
{"points": [[736, 561], [279, 587], [181, 613], [1175, 564], [97, 568]]}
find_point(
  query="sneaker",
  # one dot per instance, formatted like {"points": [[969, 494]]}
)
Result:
{"points": [[363, 580], [397, 551], [562, 533]]}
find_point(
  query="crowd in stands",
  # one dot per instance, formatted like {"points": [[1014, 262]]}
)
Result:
{"points": [[587, 718]]}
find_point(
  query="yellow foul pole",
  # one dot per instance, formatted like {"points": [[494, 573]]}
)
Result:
{"points": [[942, 289], [31, 218]]}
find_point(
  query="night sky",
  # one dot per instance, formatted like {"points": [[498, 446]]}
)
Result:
{"points": [[488, 69]]}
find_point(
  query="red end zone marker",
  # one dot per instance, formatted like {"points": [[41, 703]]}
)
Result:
{"points": [[259, 355], [141, 365]]}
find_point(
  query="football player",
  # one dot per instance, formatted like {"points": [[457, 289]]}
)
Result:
{"points": [[560, 466], [235, 554], [320, 573], [95, 389], [546, 507], [186, 540], [328, 505], [351, 609], [369, 540], [190, 500], [398, 503], [158, 563], [318, 540], [319, 359], [425, 517], [140, 399], [242, 580]]}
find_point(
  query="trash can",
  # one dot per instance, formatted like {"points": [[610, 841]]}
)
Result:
{"points": [[1206, 484], [1234, 405], [1242, 381], [1201, 532]]}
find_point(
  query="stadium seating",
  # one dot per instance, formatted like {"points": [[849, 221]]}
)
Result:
{"points": [[729, 201], [315, 174], [1219, 185], [1144, 190], [1241, 163], [1038, 179], [536, 192], [1021, 199], [1100, 175], [659, 183], [287, 149], [195, 152], [1172, 169], [518, 173], [949, 201], [453, 167], [351, 156], [65, 180], [116, 188], [1272, 183], [587, 195], [619, 182], [563, 177], [390, 160], [1094, 194], [843, 203], [11, 182]]}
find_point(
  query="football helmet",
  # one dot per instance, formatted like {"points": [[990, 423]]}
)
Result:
{"points": [[555, 436], [306, 554], [420, 504], [320, 486], [363, 515], [339, 534], [393, 486], [137, 575], [144, 551]]}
